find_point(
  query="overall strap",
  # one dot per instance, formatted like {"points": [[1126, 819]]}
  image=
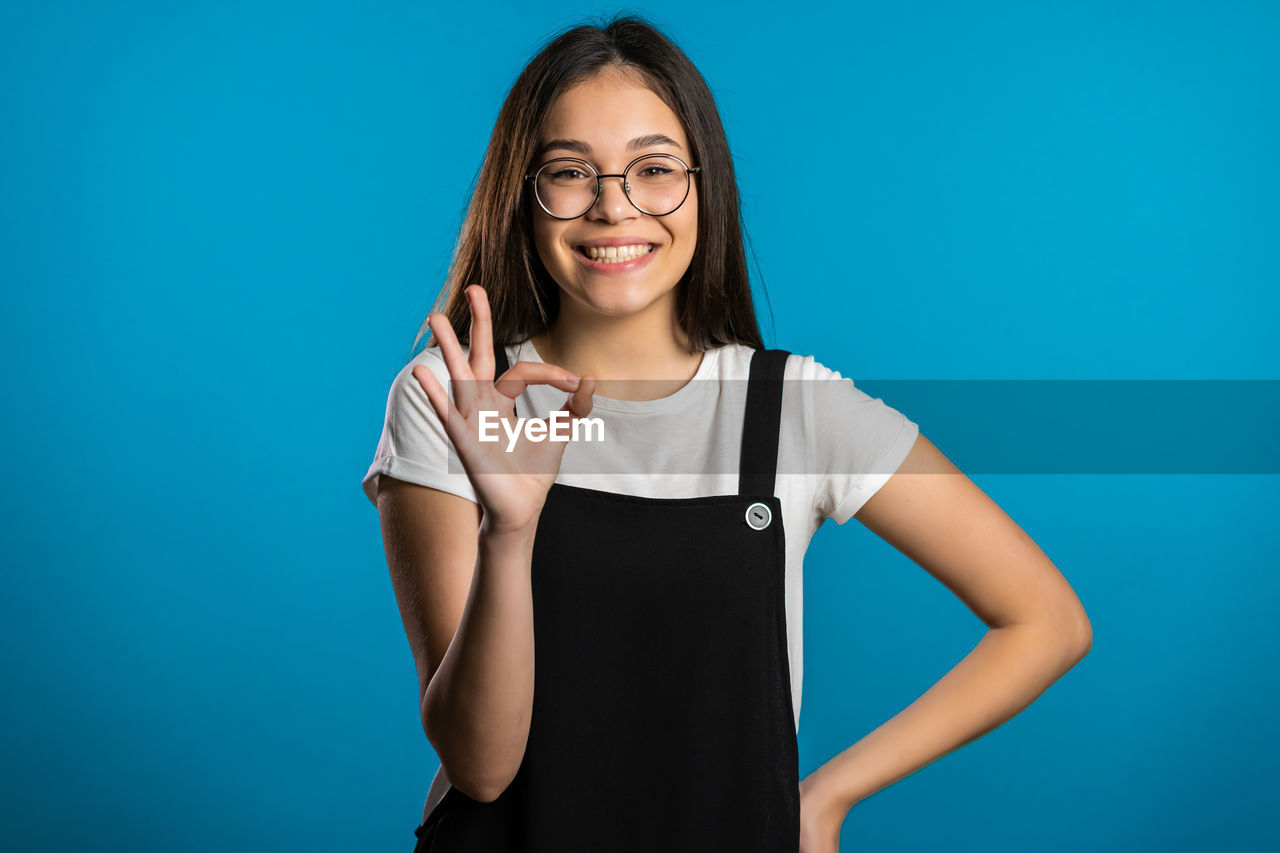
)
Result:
{"points": [[761, 418]]}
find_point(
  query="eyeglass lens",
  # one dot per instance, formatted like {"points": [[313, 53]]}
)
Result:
{"points": [[657, 185]]}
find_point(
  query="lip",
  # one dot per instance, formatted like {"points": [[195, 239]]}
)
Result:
{"points": [[625, 266]]}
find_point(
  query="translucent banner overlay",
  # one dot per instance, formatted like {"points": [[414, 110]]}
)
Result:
{"points": [[984, 426]]}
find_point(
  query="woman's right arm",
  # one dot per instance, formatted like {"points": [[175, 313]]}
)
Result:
{"points": [[465, 598], [461, 569]]}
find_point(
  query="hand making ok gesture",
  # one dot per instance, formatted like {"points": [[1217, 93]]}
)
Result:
{"points": [[511, 483]]}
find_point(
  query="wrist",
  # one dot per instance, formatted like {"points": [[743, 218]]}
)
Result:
{"points": [[825, 797], [506, 534]]}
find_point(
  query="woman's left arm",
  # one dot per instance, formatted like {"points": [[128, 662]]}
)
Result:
{"points": [[1038, 630]]}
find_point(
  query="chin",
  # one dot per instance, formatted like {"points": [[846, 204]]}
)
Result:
{"points": [[617, 299]]}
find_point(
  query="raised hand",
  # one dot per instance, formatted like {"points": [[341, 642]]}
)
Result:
{"points": [[511, 484]]}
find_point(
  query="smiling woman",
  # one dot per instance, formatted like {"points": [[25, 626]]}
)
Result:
{"points": [[610, 652]]}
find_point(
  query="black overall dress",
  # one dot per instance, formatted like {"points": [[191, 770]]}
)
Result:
{"points": [[662, 716]]}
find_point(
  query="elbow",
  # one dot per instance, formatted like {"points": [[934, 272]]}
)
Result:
{"points": [[1075, 633], [478, 791], [1062, 635], [473, 777], [475, 782], [1065, 629], [481, 782], [1084, 635]]}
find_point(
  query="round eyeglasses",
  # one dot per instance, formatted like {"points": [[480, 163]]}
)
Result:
{"points": [[656, 184]]}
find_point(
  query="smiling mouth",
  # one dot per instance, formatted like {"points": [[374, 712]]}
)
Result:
{"points": [[615, 254]]}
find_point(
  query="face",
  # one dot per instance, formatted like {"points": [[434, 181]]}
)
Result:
{"points": [[595, 121]]}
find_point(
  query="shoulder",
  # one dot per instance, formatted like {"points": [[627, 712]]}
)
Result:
{"points": [[734, 362], [407, 399], [430, 358], [834, 409], [801, 366]]}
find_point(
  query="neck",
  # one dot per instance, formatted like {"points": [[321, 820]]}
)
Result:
{"points": [[649, 345]]}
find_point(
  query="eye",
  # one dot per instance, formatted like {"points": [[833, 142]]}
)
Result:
{"points": [[569, 172]]}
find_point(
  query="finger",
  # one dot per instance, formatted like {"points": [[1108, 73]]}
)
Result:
{"points": [[435, 392], [462, 380], [525, 373], [455, 426], [581, 401], [450, 349], [481, 333], [577, 406]]}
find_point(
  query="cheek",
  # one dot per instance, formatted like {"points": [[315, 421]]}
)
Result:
{"points": [[545, 238], [689, 233], [689, 220]]}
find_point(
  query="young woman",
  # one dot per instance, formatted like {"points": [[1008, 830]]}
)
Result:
{"points": [[607, 633]]}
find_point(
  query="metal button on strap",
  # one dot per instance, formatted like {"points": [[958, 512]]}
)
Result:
{"points": [[759, 516]]}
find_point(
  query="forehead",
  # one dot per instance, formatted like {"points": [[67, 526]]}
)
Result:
{"points": [[606, 113]]}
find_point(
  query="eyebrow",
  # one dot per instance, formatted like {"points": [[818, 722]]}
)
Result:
{"points": [[648, 141]]}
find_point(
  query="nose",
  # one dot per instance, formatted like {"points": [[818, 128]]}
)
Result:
{"points": [[611, 201]]}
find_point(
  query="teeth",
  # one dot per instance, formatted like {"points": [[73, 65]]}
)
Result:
{"points": [[617, 254]]}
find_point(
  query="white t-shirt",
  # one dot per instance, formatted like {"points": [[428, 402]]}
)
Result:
{"points": [[836, 447]]}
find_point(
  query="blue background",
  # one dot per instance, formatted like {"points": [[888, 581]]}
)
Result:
{"points": [[223, 224]]}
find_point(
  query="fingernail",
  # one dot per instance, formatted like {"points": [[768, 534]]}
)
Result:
{"points": [[573, 380]]}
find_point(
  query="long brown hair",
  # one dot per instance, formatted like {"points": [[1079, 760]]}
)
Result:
{"points": [[495, 245]]}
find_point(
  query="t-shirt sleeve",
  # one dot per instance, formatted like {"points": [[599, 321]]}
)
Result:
{"points": [[414, 446], [856, 441]]}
